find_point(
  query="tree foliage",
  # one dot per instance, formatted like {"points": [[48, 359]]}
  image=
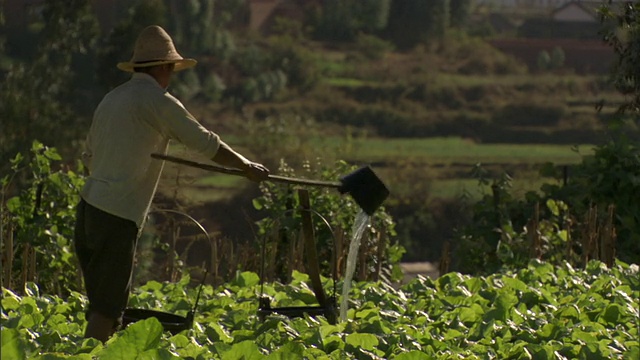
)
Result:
{"points": [[625, 41], [412, 22], [117, 46], [43, 98], [459, 11], [40, 220], [596, 209], [379, 255], [340, 20]]}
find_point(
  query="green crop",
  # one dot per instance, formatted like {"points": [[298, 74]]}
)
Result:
{"points": [[539, 312]]}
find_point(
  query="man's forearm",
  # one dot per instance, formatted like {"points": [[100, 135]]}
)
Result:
{"points": [[228, 157]]}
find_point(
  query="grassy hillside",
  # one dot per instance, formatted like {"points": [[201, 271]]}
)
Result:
{"points": [[425, 120]]}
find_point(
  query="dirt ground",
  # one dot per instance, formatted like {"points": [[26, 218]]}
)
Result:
{"points": [[411, 270]]}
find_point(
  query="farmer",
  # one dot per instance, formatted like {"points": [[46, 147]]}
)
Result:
{"points": [[131, 122]]}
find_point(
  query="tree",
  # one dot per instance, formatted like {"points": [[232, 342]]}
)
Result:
{"points": [[118, 45], [557, 58], [625, 41], [459, 11], [342, 20], [417, 21], [195, 29], [40, 98]]}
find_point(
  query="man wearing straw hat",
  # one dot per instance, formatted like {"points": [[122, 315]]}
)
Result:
{"points": [[133, 121]]}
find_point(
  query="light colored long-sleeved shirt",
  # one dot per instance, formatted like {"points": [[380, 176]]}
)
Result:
{"points": [[133, 121]]}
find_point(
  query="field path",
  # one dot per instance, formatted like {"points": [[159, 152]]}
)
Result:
{"points": [[413, 269]]}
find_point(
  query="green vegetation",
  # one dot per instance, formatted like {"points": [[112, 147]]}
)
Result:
{"points": [[449, 150], [535, 257], [539, 311]]}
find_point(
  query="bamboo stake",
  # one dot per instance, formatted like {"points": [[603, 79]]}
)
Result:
{"points": [[534, 234], [312, 264], [362, 257], [590, 236], [381, 249], [9, 258], [339, 249], [445, 258], [214, 258], [608, 239], [569, 248], [32, 264], [25, 266], [2, 236]]}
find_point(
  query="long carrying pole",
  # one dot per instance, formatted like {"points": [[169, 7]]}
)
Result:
{"points": [[238, 172]]}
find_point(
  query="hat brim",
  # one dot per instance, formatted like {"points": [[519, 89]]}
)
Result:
{"points": [[181, 64]]}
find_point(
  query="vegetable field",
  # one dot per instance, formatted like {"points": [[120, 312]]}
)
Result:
{"points": [[539, 312]]}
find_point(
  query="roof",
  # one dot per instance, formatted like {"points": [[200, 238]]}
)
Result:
{"points": [[589, 9]]}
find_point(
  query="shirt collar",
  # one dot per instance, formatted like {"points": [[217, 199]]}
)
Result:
{"points": [[145, 77]]}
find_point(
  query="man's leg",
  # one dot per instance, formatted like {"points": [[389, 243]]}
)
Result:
{"points": [[99, 327], [105, 245]]}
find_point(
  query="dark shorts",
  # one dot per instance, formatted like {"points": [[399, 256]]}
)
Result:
{"points": [[105, 245]]}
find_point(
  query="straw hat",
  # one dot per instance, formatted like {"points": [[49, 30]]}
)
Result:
{"points": [[155, 47]]}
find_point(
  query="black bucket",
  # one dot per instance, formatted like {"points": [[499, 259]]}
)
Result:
{"points": [[329, 310], [365, 188], [170, 322]]}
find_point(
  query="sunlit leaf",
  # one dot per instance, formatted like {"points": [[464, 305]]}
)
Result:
{"points": [[365, 341], [12, 345]]}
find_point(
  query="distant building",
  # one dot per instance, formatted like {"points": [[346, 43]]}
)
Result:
{"points": [[574, 27], [577, 11], [573, 20]]}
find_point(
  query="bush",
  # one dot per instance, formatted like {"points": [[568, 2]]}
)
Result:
{"points": [[372, 47], [379, 252], [474, 56], [608, 178], [297, 62], [530, 114], [593, 216], [40, 219]]}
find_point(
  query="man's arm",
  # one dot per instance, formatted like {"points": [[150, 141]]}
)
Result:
{"points": [[228, 157]]}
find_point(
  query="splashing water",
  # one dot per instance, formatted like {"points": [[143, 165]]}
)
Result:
{"points": [[359, 225]]}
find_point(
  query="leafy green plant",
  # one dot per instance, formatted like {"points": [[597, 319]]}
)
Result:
{"points": [[46, 94], [372, 47], [40, 220], [608, 177], [282, 204], [540, 311]]}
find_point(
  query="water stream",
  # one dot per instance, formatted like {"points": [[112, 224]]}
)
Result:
{"points": [[359, 225]]}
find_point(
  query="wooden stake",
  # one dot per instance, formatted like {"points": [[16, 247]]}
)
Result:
{"points": [[445, 258], [311, 264], [8, 250], [32, 264], [533, 234]]}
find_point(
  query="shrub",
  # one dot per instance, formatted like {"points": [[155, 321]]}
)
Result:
{"points": [[474, 56], [530, 114], [40, 219], [297, 62], [608, 177], [557, 58], [544, 60], [372, 47], [379, 252]]}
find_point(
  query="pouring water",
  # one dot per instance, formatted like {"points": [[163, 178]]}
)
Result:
{"points": [[359, 225]]}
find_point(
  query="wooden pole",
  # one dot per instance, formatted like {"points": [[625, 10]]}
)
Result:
{"points": [[8, 250], [534, 235], [311, 263]]}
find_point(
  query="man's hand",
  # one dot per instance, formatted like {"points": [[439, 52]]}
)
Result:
{"points": [[256, 172]]}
